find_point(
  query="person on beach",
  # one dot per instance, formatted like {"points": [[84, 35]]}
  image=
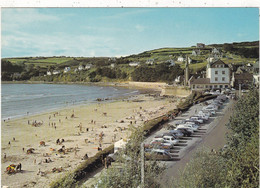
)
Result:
{"points": [[4, 155], [58, 141], [34, 161], [9, 143], [13, 138], [23, 149], [55, 127]]}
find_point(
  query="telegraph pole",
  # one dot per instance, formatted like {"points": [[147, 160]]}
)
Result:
{"points": [[142, 165], [239, 92]]}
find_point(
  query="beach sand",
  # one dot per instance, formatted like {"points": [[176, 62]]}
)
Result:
{"points": [[103, 114]]}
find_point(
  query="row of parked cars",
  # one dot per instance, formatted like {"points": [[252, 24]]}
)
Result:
{"points": [[161, 145]]}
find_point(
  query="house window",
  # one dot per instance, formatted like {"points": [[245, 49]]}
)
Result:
{"points": [[223, 72], [193, 86], [210, 87], [206, 86], [216, 72], [223, 78], [216, 79], [220, 86]]}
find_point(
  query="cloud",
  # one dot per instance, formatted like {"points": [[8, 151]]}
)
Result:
{"points": [[139, 28], [14, 18], [23, 44]]}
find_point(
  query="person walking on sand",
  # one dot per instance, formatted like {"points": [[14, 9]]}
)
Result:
{"points": [[9, 143], [4, 155]]}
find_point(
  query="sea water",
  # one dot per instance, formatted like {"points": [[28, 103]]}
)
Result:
{"points": [[19, 99]]}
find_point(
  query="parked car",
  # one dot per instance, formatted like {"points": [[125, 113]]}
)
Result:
{"points": [[171, 139], [212, 112], [162, 143], [210, 107], [196, 119], [206, 113], [158, 154], [156, 146], [177, 133], [185, 131], [190, 126], [203, 116]]}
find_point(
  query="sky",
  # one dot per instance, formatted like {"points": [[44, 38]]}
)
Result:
{"points": [[110, 32]]}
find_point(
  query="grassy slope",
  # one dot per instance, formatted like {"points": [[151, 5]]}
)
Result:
{"points": [[159, 55]]}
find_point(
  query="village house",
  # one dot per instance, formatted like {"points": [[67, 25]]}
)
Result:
{"points": [[112, 65], [170, 62], [150, 62], [67, 69], [48, 73], [112, 59], [134, 64], [200, 45], [88, 66], [195, 52], [56, 72], [245, 79], [80, 68], [217, 76], [181, 59]]}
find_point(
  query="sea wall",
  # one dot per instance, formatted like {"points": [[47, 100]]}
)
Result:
{"points": [[150, 85], [178, 91]]}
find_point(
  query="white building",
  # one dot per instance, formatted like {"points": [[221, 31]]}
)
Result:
{"points": [[67, 69], [195, 52], [56, 72], [171, 62], [134, 64], [150, 62], [80, 68], [48, 73], [217, 76], [88, 66], [181, 59], [112, 65], [215, 51]]}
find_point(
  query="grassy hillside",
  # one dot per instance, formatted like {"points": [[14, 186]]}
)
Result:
{"points": [[244, 52]]}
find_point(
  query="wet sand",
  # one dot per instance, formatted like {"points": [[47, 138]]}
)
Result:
{"points": [[113, 119]]}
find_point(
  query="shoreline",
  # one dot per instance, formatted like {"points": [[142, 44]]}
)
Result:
{"points": [[27, 136], [139, 91]]}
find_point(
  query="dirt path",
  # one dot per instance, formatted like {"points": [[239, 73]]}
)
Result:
{"points": [[215, 139]]}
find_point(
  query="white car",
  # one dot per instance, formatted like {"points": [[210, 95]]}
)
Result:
{"points": [[206, 113], [203, 116], [210, 107], [171, 139], [188, 126], [196, 119]]}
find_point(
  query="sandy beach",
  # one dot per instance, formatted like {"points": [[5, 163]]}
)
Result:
{"points": [[80, 134]]}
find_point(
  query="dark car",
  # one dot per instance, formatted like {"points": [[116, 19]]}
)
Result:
{"points": [[185, 131]]}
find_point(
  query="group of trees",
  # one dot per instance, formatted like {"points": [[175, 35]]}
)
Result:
{"points": [[237, 165], [19, 71], [251, 52], [161, 72]]}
